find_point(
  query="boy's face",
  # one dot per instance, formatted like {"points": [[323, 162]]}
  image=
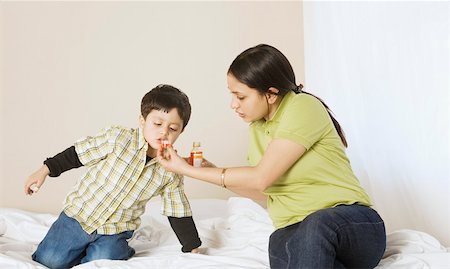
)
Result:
{"points": [[159, 126]]}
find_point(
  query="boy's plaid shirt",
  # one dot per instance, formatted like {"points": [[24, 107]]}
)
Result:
{"points": [[112, 194]]}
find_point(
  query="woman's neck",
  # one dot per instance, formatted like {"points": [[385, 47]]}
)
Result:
{"points": [[273, 108]]}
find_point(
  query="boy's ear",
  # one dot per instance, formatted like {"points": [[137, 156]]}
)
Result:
{"points": [[141, 121]]}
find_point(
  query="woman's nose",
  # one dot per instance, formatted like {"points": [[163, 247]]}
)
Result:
{"points": [[233, 104]]}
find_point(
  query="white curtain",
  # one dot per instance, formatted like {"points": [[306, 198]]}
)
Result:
{"points": [[383, 68]]}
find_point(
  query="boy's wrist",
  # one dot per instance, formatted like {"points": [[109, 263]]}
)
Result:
{"points": [[45, 170]]}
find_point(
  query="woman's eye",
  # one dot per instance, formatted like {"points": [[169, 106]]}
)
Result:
{"points": [[240, 97], [157, 123], [173, 129]]}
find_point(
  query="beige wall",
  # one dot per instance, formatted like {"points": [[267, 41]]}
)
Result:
{"points": [[69, 69]]}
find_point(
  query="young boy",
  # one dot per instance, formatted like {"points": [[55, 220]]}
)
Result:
{"points": [[102, 211]]}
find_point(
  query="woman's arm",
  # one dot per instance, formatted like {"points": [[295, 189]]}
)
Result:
{"points": [[249, 181]]}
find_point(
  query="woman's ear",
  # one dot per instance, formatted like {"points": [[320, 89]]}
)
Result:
{"points": [[273, 90], [272, 95]]}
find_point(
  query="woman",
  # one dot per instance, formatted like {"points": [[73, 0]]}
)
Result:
{"points": [[297, 158]]}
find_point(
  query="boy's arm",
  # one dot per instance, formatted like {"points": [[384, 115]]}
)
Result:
{"points": [[86, 151], [52, 167], [186, 232], [64, 161]]}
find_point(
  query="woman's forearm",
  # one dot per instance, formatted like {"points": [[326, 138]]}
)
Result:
{"points": [[252, 194], [241, 180]]}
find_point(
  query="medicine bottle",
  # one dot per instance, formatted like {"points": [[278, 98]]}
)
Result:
{"points": [[196, 157], [164, 145]]}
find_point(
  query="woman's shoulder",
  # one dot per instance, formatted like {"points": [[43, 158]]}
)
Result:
{"points": [[305, 98], [305, 101]]}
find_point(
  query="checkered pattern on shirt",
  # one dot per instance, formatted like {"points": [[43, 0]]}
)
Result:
{"points": [[112, 194]]}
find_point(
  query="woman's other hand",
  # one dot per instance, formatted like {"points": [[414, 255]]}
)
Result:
{"points": [[206, 163]]}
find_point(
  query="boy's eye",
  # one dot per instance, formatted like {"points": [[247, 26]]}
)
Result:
{"points": [[157, 123], [240, 97], [173, 129]]}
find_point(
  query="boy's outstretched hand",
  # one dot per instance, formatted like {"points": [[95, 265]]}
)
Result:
{"points": [[35, 180]]}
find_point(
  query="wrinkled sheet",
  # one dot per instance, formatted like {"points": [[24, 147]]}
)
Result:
{"points": [[234, 233]]}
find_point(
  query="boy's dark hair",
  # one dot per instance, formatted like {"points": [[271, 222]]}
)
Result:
{"points": [[166, 97]]}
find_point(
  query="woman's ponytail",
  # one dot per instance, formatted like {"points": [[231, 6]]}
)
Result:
{"points": [[335, 122]]}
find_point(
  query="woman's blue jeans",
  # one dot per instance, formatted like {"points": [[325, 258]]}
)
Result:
{"points": [[67, 244], [346, 236]]}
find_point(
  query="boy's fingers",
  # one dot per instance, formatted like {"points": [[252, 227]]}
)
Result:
{"points": [[32, 186], [27, 188], [35, 188], [28, 191]]}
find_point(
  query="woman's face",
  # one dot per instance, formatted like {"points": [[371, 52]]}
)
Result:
{"points": [[247, 102]]}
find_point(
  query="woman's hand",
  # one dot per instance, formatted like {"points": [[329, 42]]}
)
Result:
{"points": [[171, 161], [35, 180], [206, 163]]}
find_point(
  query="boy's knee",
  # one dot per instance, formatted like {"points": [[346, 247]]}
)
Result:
{"points": [[108, 254], [50, 259], [98, 254]]}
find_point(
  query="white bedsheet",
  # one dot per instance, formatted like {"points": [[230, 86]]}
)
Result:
{"points": [[234, 233]]}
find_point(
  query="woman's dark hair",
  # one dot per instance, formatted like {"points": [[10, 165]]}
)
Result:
{"points": [[166, 97], [263, 66]]}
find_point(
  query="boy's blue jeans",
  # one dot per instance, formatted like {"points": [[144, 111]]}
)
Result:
{"points": [[67, 244], [346, 236]]}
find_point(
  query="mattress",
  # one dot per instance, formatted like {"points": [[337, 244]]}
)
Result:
{"points": [[234, 232]]}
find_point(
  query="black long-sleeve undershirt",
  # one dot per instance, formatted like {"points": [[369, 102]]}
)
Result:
{"points": [[64, 161], [184, 227]]}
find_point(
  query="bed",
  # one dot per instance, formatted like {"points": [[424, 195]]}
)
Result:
{"points": [[234, 232]]}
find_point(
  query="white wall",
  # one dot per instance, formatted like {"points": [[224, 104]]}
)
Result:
{"points": [[383, 68], [69, 69]]}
